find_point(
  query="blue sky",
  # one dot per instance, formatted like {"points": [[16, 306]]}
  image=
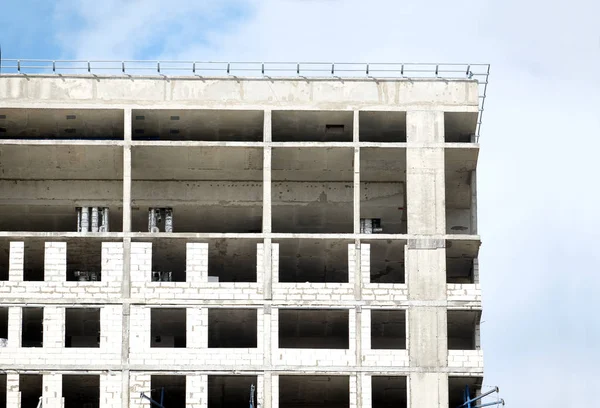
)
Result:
{"points": [[538, 194]]}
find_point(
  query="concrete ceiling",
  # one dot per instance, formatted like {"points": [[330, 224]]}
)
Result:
{"points": [[379, 126], [459, 126], [312, 126], [198, 163], [61, 124], [198, 124]]}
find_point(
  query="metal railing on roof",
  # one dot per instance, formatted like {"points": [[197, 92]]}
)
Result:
{"points": [[477, 72]]}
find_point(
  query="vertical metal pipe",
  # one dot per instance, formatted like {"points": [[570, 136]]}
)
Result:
{"points": [[152, 220], [85, 219], [169, 220], [78, 211], [105, 220], [94, 219]]}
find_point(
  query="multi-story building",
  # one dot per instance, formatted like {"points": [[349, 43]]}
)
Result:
{"points": [[311, 239]]}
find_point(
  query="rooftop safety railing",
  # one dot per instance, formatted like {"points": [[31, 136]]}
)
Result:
{"points": [[477, 72]]}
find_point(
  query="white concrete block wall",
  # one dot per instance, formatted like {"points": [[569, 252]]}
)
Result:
{"points": [[353, 391], [459, 360], [260, 390], [196, 261], [111, 389], [112, 263], [365, 390], [365, 264], [275, 391], [464, 292], [260, 262], [55, 262], [313, 292], [139, 329], [196, 327], [111, 323], [13, 396], [196, 391], [52, 391], [15, 315], [351, 263], [16, 261], [274, 263], [380, 293], [138, 383], [54, 327], [379, 357], [141, 263]]}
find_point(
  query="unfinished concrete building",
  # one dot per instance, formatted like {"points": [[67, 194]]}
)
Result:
{"points": [[285, 241]]}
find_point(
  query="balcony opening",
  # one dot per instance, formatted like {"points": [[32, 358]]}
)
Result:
{"points": [[313, 260], [461, 190], [53, 124], [387, 261], [168, 260], [198, 125], [3, 326], [33, 260], [389, 392], [388, 329], [312, 126], [72, 176], [208, 188], [32, 327], [313, 328], [172, 387], [456, 389], [462, 266], [168, 328], [383, 190], [226, 391], [315, 391], [3, 401], [312, 190], [379, 126], [84, 260], [232, 260], [460, 127], [81, 390], [232, 328], [463, 329], [4, 259], [82, 327], [30, 386]]}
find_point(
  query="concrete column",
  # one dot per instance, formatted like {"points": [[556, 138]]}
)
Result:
{"points": [[428, 390], [196, 391], [15, 318], [55, 262], [275, 391], [365, 394], [355, 139], [52, 391], [266, 398], [13, 396], [354, 381], [365, 263], [473, 184], [54, 327], [428, 337], [196, 263], [16, 261], [127, 171]]}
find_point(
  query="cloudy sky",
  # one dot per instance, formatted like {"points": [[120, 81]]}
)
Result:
{"points": [[539, 164]]}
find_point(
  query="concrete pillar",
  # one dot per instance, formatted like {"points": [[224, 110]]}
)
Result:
{"points": [[13, 396], [266, 398], [356, 139], [15, 318], [127, 171], [196, 391], [355, 401], [275, 391], [365, 395], [473, 185], [365, 263], [427, 390], [55, 262], [196, 263], [16, 261], [52, 391]]}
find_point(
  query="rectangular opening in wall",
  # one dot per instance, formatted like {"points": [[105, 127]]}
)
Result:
{"points": [[387, 261], [32, 329], [172, 388], [388, 329], [461, 190], [380, 126], [82, 124], [208, 188], [81, 390], [84, 260], [168, 327], [383, 190], [4, 259], [314, 328], [198, 125], [460, 127], [30, 386], [315, 391], [33, 260], [43, 186], [168, 260], [226, 391], [463, 329], [388, 391], [312, 126], [313, 260], [457, 386], [232, 260], [82, 327], [3, 326], [312, 190], [461, 261], [232, 328], [3, 381]]}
